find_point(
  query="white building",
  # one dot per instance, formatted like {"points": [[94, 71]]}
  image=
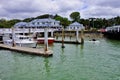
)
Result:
{"points": [[40, 23], [75, 26], [21, 25]]}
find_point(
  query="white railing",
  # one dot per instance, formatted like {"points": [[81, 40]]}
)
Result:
{"points": [[31, 30]]}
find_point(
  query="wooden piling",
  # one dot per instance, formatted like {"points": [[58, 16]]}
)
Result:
{"points": [[82, 38], [77, 33], [67, 42], [46, 39], [13, 37], [62, 39], [52, 33]]}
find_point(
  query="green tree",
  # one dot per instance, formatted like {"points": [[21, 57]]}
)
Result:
{"points": [[8, 23], [57, 17], [75, 16], [13, 21], [63, 21], [44, 16], [28, 19], [117, 20]]}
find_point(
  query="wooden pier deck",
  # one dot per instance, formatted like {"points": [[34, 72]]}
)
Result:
{"points": [[68, 42], [26, 50]]}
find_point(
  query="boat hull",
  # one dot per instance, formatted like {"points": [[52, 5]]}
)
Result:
{"points": [[26, 44], [21, 44], [41, 40]]}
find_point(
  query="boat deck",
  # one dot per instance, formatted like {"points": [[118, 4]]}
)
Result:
{"points": [[32, 51]]}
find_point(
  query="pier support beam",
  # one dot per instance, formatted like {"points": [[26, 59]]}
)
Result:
{"points": [[24, 31], [62, 39], [52, 33], [77, 34], [29, 31], [46, 40], [82, 38], [56, 35], [13, 37], [70, 35]]}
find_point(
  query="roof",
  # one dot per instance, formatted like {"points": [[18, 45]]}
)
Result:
{"points": [[21, 24], [48, 22], [44, 20], [75, 24]]}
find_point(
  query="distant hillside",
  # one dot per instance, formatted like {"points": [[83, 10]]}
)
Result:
{"points": [[88, 23]]}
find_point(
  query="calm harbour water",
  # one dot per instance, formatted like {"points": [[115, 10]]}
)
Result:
{"points": [[92, 61]]}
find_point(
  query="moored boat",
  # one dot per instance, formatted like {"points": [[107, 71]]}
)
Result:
{"points": [[20, 40]]}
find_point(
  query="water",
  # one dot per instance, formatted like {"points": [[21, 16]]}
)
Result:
{"points": [[92, 61]]}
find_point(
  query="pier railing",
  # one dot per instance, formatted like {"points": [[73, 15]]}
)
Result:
{"points": [[9, 30]]}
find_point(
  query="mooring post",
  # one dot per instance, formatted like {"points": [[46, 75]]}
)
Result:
{"points": [[62, 39], [77, 34], [51, 32], [13, 36], [46, 39], [57, 35], [23, 29], [29, 31], [82, 38], [70, 35]]}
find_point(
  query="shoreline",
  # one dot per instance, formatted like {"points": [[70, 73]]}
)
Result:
{"points": [[86, 34]]}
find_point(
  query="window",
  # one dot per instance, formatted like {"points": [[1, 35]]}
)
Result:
{"points": [[38, 23], [33, 23], [43, 22]]}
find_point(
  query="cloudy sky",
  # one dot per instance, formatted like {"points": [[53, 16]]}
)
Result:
{"points": [[20, 9]]}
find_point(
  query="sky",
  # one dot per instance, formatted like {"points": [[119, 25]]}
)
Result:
{"points": [[21, 9]]}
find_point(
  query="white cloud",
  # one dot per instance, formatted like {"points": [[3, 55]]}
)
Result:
{"points": [[28, 8], [102, 8]]}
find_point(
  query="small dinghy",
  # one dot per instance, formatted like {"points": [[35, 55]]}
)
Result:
{"points": [[93, 41]]}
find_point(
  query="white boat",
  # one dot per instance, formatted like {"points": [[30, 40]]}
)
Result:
{"points": [[20, 40]]}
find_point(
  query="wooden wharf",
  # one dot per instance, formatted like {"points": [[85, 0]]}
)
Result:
{"points": [[68, 42], [112, 32], [26, 50]]}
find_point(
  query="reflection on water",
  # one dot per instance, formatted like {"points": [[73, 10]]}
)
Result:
{"points": [[84, 62], [81, 50], [81, 46], [47, 65], [62, 56]]}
